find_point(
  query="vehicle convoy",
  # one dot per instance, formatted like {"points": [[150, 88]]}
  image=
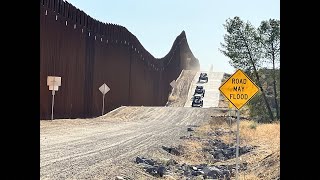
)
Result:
{"points": [[199, 90], [204, 77], [197, 101]]}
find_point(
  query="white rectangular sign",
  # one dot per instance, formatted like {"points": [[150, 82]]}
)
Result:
{"points": [[54, 81]]}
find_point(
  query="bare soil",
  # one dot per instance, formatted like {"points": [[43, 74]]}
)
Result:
{"points": [[105, 147], [179, 95]]}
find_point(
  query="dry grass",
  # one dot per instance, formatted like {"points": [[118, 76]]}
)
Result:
{"points": [[245, 176], [203, 130], [264, 134], [252, 133], [213, 124], [168, 177], [264, 160], [194, 153], [219, 122]]}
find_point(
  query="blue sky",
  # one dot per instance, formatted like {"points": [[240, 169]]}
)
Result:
{"points": [[157, 23]]}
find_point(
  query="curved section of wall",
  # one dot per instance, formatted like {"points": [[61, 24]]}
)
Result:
{"points": [[86, 53]]}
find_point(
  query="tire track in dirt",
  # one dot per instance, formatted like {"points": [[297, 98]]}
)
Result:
{"points": [[89, 148]]}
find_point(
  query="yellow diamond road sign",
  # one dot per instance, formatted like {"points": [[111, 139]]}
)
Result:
{"points": [[239, 89]]}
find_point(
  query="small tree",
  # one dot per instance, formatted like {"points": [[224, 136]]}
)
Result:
{"points": [[269, 36], [256, 105], [242, 46]]}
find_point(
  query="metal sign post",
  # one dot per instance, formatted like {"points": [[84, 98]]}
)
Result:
{"points": [[52, 104], [53, 89], [230, 124], [104, 89], [53, 82], [238, 89], [102, 104], [237, 147]]}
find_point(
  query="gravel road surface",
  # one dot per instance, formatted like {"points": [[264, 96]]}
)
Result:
{"points": [[105, 147]]}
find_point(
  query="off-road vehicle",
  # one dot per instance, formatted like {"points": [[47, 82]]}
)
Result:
{"points": [[199, 90], [197, 101], [204, 77]]}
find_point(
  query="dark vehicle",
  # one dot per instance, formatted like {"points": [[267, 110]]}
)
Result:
{"points": [[199, 90], [203, 76], [197, 101]]}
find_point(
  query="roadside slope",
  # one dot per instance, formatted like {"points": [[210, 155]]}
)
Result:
{"points": [[179, 95]]}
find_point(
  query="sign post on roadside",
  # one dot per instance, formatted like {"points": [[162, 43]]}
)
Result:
{"points": [[53, 82], [238, 89], [104, 89]]}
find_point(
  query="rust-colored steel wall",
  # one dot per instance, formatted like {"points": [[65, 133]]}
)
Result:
{"points": [[86, 53]]}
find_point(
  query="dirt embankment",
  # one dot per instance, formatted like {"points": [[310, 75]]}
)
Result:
{"points": [[179, 95]]}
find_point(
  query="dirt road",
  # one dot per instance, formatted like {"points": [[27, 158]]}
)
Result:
{"points": [[212, 93], [104, 147]]}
